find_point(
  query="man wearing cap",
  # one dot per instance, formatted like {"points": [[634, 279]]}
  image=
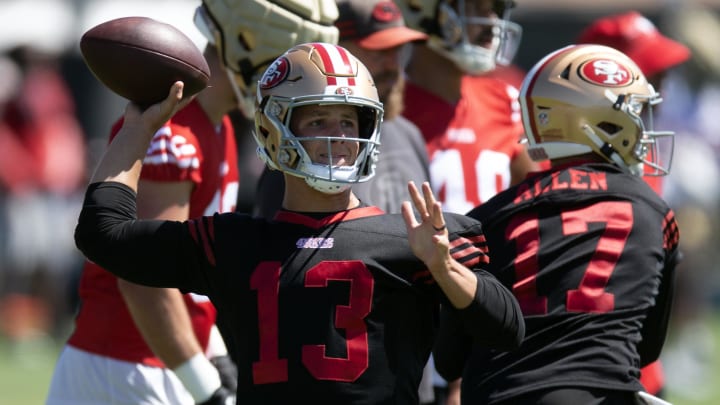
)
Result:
{"points": [[375, 32], [655, 54], [638, 38]]}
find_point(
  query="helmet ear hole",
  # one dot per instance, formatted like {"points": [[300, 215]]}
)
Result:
{"points": [[366, 119], [610, 128]]}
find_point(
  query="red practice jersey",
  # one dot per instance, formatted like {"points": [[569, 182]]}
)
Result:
{"points": [[187, 148], [470, 143]]}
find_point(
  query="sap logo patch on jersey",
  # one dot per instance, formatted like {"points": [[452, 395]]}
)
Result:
{"points": [[315, 243]]}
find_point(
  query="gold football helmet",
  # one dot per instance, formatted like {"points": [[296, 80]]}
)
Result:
{"points": [[593, 98], [249, 34], [316, 73], [475, 34]]}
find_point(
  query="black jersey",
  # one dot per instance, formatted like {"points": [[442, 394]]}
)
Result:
{"points": [[322, 310], [589, 252]]}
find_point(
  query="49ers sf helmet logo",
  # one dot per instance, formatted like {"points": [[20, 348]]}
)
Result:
{"points": [[605, 72], [275, 74]]}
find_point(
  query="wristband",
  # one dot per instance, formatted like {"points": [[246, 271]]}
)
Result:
{"points": [[199, 377], [216, 345]]}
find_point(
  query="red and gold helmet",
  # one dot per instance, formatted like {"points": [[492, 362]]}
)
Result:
{"points": [[316, 73], [593, 98]]}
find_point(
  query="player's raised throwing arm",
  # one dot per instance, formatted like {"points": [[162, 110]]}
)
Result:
{"points": [[110, 206]]}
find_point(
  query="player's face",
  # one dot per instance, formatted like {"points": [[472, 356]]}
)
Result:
{"points": [[335, 120], [478, 32]]}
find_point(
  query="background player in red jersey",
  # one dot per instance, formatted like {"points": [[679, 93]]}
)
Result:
{"points": [[655, 54], [375, 32], [589, 248], [328, 302], [127, 336], [471, 123]]}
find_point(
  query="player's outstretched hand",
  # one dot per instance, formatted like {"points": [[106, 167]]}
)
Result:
{"points": [[429, 237]]}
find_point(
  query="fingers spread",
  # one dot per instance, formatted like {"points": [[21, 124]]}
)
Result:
{"points": [[418, 200], [408, 215]]}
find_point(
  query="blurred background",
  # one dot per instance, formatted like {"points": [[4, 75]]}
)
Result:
{"points": [[55, 119]]}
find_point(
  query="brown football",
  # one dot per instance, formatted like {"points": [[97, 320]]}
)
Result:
{"points": [[139, 58]]}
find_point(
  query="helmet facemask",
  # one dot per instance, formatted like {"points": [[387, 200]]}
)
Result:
{"points": [[293, 159], [651, 148]]}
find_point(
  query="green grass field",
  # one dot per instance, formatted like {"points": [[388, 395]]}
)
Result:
{"points": [[25, 372]]}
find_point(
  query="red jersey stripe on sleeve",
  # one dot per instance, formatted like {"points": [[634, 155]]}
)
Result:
{"points": [[202, 234], [470, 251], [671, 232]]}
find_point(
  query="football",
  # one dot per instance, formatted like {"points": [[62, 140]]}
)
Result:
{"points": [[139, 58]]}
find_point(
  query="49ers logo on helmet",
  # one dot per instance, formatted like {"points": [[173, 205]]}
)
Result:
{"points": [[344, 90], [275, 73], [605, 72]]}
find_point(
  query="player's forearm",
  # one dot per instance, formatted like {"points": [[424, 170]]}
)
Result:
{"points": [[162, 318], [457, 282]]}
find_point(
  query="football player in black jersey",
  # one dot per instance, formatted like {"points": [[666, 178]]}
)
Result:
{"points": [[587, 246], [332, 301]]}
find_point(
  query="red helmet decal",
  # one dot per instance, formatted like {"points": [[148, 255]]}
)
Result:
{"points": [[336, 62], [386, 11], [606, 72], [275, 73]]}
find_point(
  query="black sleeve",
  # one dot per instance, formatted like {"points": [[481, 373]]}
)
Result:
{"points": [[494, 321], [149, 252], [494, 318], [452, 345], [655, 326]]}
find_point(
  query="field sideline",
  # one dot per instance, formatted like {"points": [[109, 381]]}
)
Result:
{"points": [[25, 372]]}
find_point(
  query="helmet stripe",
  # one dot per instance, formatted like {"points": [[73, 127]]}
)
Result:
{"points": [[338, 68], [526, 91]]}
